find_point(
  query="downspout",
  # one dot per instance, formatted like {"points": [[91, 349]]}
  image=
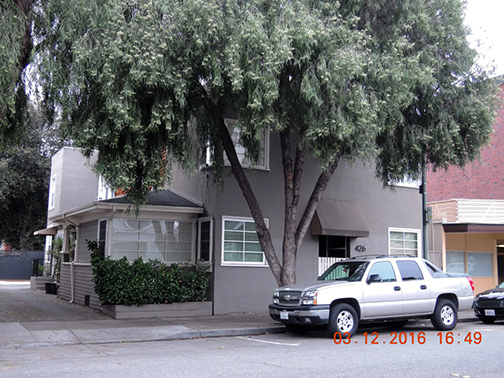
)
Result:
{"points": [[425, 212], [72, 278]]}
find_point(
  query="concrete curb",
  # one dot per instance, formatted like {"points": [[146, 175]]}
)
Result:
{"points": [[31, 335], [32, 339]]}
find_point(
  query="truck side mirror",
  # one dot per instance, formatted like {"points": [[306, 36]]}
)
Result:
{"points": [[374, 278]]}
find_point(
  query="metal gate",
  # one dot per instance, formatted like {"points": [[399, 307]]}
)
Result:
{"points": [[18, 265]]}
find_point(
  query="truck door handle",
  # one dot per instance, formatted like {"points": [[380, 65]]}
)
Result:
{"points": [[423, 287], [397, 288]]}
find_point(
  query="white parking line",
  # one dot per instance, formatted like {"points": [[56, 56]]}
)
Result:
{"points": [[266, 342]]}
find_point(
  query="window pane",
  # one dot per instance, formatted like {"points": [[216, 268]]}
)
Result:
{"points": [[171, 241], [256, 247], [410, 236], [254, 257], [409, 270], [396, 244], [205, 240], [250, 226], [403, 243], [241, 237], [234, 225], [230, 235], [228, 246], [410, 245], [455, 262], [385, 270], [479, 264], [125, 246], [251, 237], [394, 235], [177, 256], [233, 256]]}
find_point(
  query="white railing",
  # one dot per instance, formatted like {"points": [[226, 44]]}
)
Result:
{"points": [[326, 262]]}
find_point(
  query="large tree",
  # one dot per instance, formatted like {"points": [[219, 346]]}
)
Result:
{"points": [[24, 184], [336, 80], [16, 47]]}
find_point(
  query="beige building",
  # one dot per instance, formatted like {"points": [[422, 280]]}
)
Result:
{"points": [[467, 236]]}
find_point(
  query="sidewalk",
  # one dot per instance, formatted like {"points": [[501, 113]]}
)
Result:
{"points": [[36, 334], [106, 330]]}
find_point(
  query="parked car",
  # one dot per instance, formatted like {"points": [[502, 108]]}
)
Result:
{"points": [[489, 305], [390, 288]]}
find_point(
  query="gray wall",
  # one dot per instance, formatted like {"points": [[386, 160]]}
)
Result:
{"points": [[80, 271], [76, 183], [249, 289]]}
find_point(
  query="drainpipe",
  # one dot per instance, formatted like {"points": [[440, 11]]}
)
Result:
{"points": [[425, 213]]}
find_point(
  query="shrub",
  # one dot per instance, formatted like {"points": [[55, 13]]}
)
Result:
{"points": [[139, 282]]}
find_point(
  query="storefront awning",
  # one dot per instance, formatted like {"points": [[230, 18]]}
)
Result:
{"points": [[339, 218], [51, 231], [472, 228]]}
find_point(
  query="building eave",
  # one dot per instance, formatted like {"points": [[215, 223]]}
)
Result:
{"points": [[472, 228]]}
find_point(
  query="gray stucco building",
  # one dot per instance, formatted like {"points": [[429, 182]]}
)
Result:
{"points": [[193, 220]]}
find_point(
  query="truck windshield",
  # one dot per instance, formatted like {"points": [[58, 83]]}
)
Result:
{"points": [[345, 271]]}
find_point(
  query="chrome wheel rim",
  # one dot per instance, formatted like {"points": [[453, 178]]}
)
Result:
{"points": [[447, 315], [345, 321]]}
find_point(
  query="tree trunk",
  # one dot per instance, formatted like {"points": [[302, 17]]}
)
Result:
{"points": [[285, 273]]}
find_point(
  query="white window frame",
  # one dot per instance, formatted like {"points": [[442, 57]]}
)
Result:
{"points": [[240, 263], [107, 238], [231, 123], [52, 193], [110, 234], [105, 191], [418, 232]]}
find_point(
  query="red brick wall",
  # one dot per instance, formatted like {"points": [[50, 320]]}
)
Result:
{"points": [[482, 179]]}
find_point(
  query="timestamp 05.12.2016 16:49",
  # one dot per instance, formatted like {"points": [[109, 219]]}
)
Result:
{"points": [[403, 338]]}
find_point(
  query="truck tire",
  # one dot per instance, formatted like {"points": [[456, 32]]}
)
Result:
{"points": [[444, 317], [342, 319]]}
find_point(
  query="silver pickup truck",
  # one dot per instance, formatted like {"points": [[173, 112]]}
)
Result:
{"points": [[390, 288]]}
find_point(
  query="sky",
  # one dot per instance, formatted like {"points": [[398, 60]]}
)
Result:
{"points": [[486, 20]]}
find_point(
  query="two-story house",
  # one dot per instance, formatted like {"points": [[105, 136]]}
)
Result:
{"points": [[193, 220]]}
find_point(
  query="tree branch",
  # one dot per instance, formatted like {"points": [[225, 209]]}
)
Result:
{"points": [[318, 190], [239, 174]]}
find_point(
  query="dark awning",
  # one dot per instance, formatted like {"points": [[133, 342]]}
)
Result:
{"points": [[339, 218], [472, 228], [50, 231]]}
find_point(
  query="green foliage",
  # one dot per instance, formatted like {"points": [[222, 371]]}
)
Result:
{"points": [[15, 54], [24, 184], [55, 253], [122, 282], [389, 80], [450, 115]]}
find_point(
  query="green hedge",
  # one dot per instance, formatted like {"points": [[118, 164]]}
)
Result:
{"points": [[122, 282]]}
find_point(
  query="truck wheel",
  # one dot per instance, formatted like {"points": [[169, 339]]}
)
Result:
{"points": [[444, 317], [343, 319]]}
